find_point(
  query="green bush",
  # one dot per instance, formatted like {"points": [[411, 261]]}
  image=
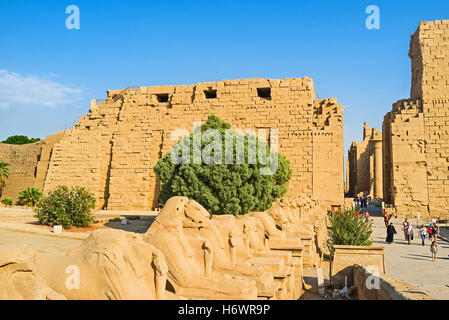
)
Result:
{"points": [[29, 197], [19, 140], [66, 207], [349, 227], [223, 188], [7, 202]]}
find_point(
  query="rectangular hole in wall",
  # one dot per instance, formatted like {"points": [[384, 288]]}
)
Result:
{"points": [[162, 97], [264, 93], [210, 94]]}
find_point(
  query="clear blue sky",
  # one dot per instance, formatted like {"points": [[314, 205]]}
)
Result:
{"points": [[48, 74]]}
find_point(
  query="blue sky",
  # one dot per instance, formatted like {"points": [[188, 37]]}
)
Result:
{"points": [[48, 74]]}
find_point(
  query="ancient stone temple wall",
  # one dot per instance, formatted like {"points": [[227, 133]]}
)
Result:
{"points": [[328, 148], [365, 165], [405, 153], [112, 151], [417, 143], [28, 165], [23, 161]]}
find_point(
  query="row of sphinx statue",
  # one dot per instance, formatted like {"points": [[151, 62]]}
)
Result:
{"points": [[185, 254]]}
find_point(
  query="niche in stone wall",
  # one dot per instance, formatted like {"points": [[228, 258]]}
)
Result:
{"points": [[210, 94], [264, 93], [162, 97]]}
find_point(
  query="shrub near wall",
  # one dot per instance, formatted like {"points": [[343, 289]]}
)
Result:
{"points": [[7, 202], [350, 228], [29, 197], [67, 207]]}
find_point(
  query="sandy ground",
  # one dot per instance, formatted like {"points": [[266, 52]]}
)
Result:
{"points": [[413, 263]]}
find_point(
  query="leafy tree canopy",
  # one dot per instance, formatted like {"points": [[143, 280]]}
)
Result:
{"points": [[20, 140], [222, 188]]}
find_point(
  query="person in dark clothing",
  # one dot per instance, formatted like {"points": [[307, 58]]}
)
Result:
{"points": [[434, 230], [391, 231]]}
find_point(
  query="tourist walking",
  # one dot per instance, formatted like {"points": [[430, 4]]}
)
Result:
{"points": [[409, 232], [423, 234], [404, 228], [386, 220], [391, 231], [434, 230], [429, 231], [434, 250]]}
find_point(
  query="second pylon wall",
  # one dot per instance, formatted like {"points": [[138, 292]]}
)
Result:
{"points": [[112, 151]]}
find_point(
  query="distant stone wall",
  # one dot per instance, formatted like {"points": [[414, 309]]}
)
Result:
{"points": [[112, 151], [365, 165], [23, 160], [28, 164], [417, 130]]}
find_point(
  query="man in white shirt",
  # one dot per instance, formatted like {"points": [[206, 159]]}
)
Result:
{"points": [[409, 232]]}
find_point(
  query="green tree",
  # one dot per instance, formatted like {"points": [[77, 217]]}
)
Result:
{"points": [[4, 174], [19, 140], [349, 227], [66, 207], [221, 188], [30, 197]]}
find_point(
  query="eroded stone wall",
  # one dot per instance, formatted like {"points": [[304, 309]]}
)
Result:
{"points": [[112, 151], [28, 165], [417, 139], [365, 165], [328, 157], [405, 154]]}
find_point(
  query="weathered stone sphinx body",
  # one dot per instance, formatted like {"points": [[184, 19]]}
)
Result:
{"points": [[190, 257], [228, 257], [303, 218], [110, 264]]}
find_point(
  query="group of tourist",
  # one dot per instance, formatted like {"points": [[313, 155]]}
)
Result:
{"points": [[431, 230], [362, 201]]}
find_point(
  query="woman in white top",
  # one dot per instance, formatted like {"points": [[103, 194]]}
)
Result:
{"points": [[423, 234]]}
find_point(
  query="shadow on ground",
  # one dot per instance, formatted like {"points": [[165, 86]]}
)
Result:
{"points": [[134, 224]]}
